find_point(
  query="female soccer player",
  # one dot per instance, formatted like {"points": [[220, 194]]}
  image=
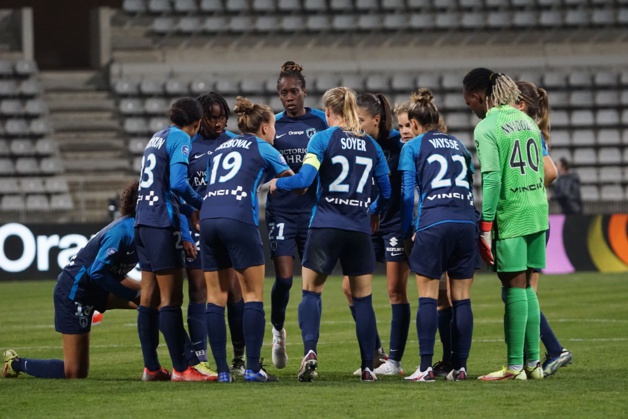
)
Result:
{"points": [[534, 102], [158, 237], [230, 236], [211, 135], [287, 215], [508, 144], [445, 230], [405, 129], [94, 279], [345, 160], [376, 120]]}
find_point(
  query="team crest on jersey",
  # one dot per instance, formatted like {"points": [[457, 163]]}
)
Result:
{"points": [[111, 251], [185, 150], [310, 132]]}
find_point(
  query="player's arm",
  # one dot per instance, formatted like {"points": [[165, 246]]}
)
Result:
{"points": [[179, 185], [408, 184], [382, 178], [549, 168], [189, 245], [110, 249], [309, 169]]}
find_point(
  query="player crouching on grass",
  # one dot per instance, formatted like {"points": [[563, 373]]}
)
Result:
{"points": [[94, 279]]}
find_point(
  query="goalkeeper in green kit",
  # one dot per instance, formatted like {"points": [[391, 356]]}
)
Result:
{"points": [[514, 211]]}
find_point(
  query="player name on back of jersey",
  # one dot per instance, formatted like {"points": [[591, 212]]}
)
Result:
{"points": [[519, 125], [444, 143], [156, 142], [237, 143], [351, 143]]}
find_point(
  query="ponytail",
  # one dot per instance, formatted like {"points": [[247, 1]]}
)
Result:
{"points": [[341, 101]]}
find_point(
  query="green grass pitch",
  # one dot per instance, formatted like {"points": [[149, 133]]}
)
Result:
{"points": [[589, 313]]}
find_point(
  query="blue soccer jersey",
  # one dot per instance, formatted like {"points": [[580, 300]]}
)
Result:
{"points": [[202, 148], [157, 205], [234, 173], [390, 219], [440, 167], [99, 267], [346, 164], [291, 139]]}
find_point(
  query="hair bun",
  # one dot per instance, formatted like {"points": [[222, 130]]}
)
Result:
{"points": [[423, 96], [291, 66], [243, 106]]}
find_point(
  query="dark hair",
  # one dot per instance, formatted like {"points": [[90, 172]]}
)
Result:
{"points": [[497, 87], [251, 116], [424, 111], [185, 111], [209, 99], [564, 163], [291, 69], [537, 103], [128, 199], [377, 104]]}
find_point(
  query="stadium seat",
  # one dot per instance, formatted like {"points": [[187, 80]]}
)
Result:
{"points": [[190, 25], [130, 107], [26, 166], [8, 186], [452, 101], [137, 164], [326, 82], [211, 6], [465, 137], [275, 104], [609, 155], [583, 137], [341, 5], [448, 20], [606, 98], [453, 82], [22, 147], [550, 18], [369, 22], [577, 17], [11, 108], [199, 86], [589, 193], [560, 118], [157, 124], [51, 166], [5, 149], [603, 17], [17, 127], [367, 5], [353, 81], [32, 185], [588, 175], [377, 83], [558, 153], [585, 156], [283, 5], [35, 107], [611, 174], [498, 19], [13, 203], [582, 118], [26, 68], [7, 167], [237, 6], [135, 126], [605, 78], [525, 19], [8, 88], [579, 79], [151, 87], [185, 6], [240, 24], [266, 24], [419, 4], [395, 5], [559, 138], [431, 81], [395, 22], [176, 87], [215, 24], [137, 145], [458, 120], [133, 6], [56, 185], [125, 87], [473, 20], [532, 77], [29, 88], [155, 106], [608, 137], [607, 117], [159, 6], [404, 83], [554, 80], [37, 202], [6, 68], [226, 86], [342, 23], [251, 86], [421, 21], [40, 127], [314, 5], [61, 202], [612, 193]]}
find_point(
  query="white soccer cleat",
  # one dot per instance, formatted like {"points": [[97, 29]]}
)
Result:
{"points": [[426, 376], [279, 355], [389, 367]]}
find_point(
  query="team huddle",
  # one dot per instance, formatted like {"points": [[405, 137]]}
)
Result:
{"points": [[343, 187]]}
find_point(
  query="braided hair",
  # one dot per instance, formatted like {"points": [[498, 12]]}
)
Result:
{"points": [[498, 87], [291, 69]]}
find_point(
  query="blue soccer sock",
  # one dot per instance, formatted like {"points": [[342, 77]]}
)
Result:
{"points": [[378, 341], [235, 315], [198, 330], [310, 319], [217, 334], [549, 339], [365, 328], [148, 331], [40, 368], [254, 324], [462, 332], [445, 319], [279, 297], [171, 325], [399, 327], [426, 325]]}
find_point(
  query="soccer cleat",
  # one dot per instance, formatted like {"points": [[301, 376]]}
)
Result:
{"points": [[279, 355], [368, 376], [442, 368], [504, 374], [225, 377], [309, 364], [379, 357], [457, 375], [191, 374], [534, 373], [426, 376], [204, 369], [551, 365], [9, 356], [161, 374], [261, 376], [389, 368], [238, 366]]}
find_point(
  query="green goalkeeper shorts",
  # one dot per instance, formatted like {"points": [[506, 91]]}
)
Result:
{"points": [[519, 254]]}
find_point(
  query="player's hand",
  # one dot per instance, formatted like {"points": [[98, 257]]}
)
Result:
{"points": [[272, 185], [408, 244], [374, 223], [486, 242], [195, 220], [190, 249]]}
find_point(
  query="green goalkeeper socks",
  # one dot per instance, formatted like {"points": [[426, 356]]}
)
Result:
{"points": [[515, 320], [533, 327]]}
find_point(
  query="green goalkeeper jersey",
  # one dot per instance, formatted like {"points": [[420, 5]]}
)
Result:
{"points": [[508, 142]]}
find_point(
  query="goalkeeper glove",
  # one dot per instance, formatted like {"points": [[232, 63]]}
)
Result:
{"points": [[485, 243]]}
